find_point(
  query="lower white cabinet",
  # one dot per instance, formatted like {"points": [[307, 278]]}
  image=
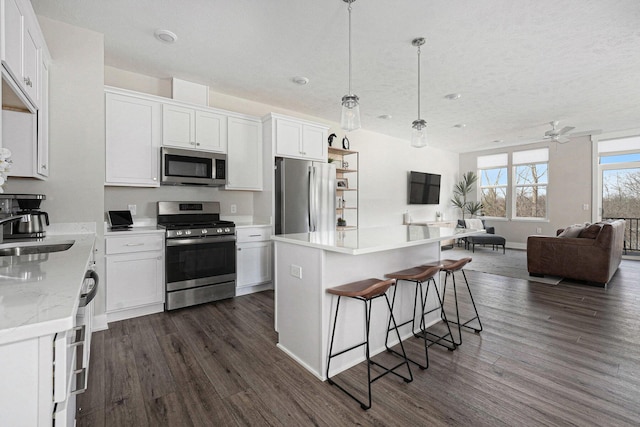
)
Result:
{"points": [[254, 259], [135, 275]]}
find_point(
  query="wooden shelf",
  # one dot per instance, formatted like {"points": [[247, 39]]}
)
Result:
{"points": [[346, 227], [342, 209], [346, 189], [340, 170], [340, 151]]}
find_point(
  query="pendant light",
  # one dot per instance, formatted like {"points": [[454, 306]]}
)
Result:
{"points": [[419, 133], [350, 108]]}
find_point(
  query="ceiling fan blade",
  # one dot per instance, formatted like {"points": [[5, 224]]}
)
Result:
{"points": [[549, 133], [566, 129], [561, 139]]}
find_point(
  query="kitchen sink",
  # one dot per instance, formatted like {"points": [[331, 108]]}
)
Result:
{"points": [[34, 248]]}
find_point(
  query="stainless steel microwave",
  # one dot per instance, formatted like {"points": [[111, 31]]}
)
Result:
{"points": [[191, 167]]}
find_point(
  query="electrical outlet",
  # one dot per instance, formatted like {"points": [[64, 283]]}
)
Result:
{"points": [[133, 209], [234, 208], [585, 207], [539, 230], [296, 271]]}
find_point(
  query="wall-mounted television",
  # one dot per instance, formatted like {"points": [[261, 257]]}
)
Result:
{"points": [[424, 188]]}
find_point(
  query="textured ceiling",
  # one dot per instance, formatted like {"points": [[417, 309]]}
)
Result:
{"points": [[517, 64]]}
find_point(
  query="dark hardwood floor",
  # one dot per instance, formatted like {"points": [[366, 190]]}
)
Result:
{"points": [[549, 355]]}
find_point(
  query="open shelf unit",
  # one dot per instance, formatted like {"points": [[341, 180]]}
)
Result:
{"points": [[347, 199]]}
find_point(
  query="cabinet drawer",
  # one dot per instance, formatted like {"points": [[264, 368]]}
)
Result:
{"points": [[253, 234], [128, 244]]}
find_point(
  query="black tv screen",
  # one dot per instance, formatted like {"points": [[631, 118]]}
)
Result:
{"points": [[424, 188]]}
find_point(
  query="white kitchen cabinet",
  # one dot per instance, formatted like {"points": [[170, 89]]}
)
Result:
{"points": [[244, 156], [194, 128], [300, 139], [21, 49], [135, 274], [133, 134], [42, 143], [254, 259]]}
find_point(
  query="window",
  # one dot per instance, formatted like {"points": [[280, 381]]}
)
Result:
{"points": [[530, 171], [493, 184]]}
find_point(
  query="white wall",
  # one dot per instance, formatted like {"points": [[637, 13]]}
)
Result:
{"points": [[76, 132], [570, 187]]}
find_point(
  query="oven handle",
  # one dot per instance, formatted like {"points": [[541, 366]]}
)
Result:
{"points": [[200, 240]]}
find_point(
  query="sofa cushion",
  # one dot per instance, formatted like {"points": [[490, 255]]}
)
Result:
{"points": [[572, 231], [475, 223], [590, 232]]}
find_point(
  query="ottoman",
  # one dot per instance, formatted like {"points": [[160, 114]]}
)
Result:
{"points": [[486, 239]]}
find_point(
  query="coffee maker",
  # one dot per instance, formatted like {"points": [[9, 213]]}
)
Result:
{"points": [[34, 221]]}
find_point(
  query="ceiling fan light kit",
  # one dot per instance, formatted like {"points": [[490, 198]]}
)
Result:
{"points": [[419, 133], [350, 119]]}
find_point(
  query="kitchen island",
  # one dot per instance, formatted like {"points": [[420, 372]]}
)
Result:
{"points": [[307, 264]]}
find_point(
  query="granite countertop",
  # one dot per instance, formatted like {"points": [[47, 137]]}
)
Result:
{"points": [[375, 239], [150, 229], [39, 293]]}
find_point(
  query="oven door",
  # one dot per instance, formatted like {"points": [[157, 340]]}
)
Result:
{"points": [[194, 262]]}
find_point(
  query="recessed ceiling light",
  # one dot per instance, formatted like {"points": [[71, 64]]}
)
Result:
{"points": [[299, 80], [385, 116], [498, 140], [166, 36], [460, 125], [453, 96]]}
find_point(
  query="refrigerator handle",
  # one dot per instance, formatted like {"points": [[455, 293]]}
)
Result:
{"points": [[312, 199]]}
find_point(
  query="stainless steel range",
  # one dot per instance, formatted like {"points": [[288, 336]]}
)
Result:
{"points": [[200, 253]]}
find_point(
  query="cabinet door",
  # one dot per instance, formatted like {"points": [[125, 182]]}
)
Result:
{"points": [[134, 280], [30, 66], [211, 131], [178, 126], [314, 146], [244, 155], [254, 264], [288, 138], [13, 24], [43, 124], [132, 141]]}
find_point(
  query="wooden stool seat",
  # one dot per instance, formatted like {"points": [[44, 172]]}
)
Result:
{"points": [[366, 289], [451, 265], [422, 273]]}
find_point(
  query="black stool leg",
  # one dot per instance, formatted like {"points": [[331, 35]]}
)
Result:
{"points": [[412, 321], [477, 316], [438, 338], [367, 314]]}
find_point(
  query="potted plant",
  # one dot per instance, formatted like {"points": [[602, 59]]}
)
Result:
{"points": [[342, 222], [460, 192]]}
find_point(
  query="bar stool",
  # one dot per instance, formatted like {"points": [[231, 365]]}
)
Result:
{"points": [[450, 266], [365, 291], [418, 276]]}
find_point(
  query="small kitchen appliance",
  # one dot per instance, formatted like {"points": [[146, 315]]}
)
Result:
{"points": [[34, 221]]}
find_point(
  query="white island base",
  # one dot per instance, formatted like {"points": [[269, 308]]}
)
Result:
{"points": [[307, 264]]}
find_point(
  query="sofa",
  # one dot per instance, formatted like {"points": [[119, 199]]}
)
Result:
{"points": [[589, 252]]}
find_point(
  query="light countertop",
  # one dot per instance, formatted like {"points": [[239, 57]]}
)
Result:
{"points": [[375, 239], [39, 294]]}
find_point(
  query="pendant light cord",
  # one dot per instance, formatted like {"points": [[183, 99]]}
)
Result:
{"points": [[349, 8], [418, 82]]}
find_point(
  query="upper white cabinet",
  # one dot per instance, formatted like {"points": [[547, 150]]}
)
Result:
{"points": [[22, 46], [299, 139], [244, 157], [194, 128], [133, 134]]}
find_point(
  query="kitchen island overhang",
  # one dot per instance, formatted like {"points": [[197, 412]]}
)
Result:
{"points": [[306, 264]]}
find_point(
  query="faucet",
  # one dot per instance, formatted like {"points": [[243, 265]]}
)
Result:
{"points": [[8, 220]]}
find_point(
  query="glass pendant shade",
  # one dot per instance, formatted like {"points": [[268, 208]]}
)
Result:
{"points": [[350, 113], [419, 134]]}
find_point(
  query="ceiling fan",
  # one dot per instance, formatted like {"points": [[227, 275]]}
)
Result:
{"points": [[556, 134]]}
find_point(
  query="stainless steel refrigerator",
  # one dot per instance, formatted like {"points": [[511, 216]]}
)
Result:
{"points": [[305, 196]]}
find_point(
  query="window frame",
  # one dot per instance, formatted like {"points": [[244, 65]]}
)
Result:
{"points": [[516, 186]]}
